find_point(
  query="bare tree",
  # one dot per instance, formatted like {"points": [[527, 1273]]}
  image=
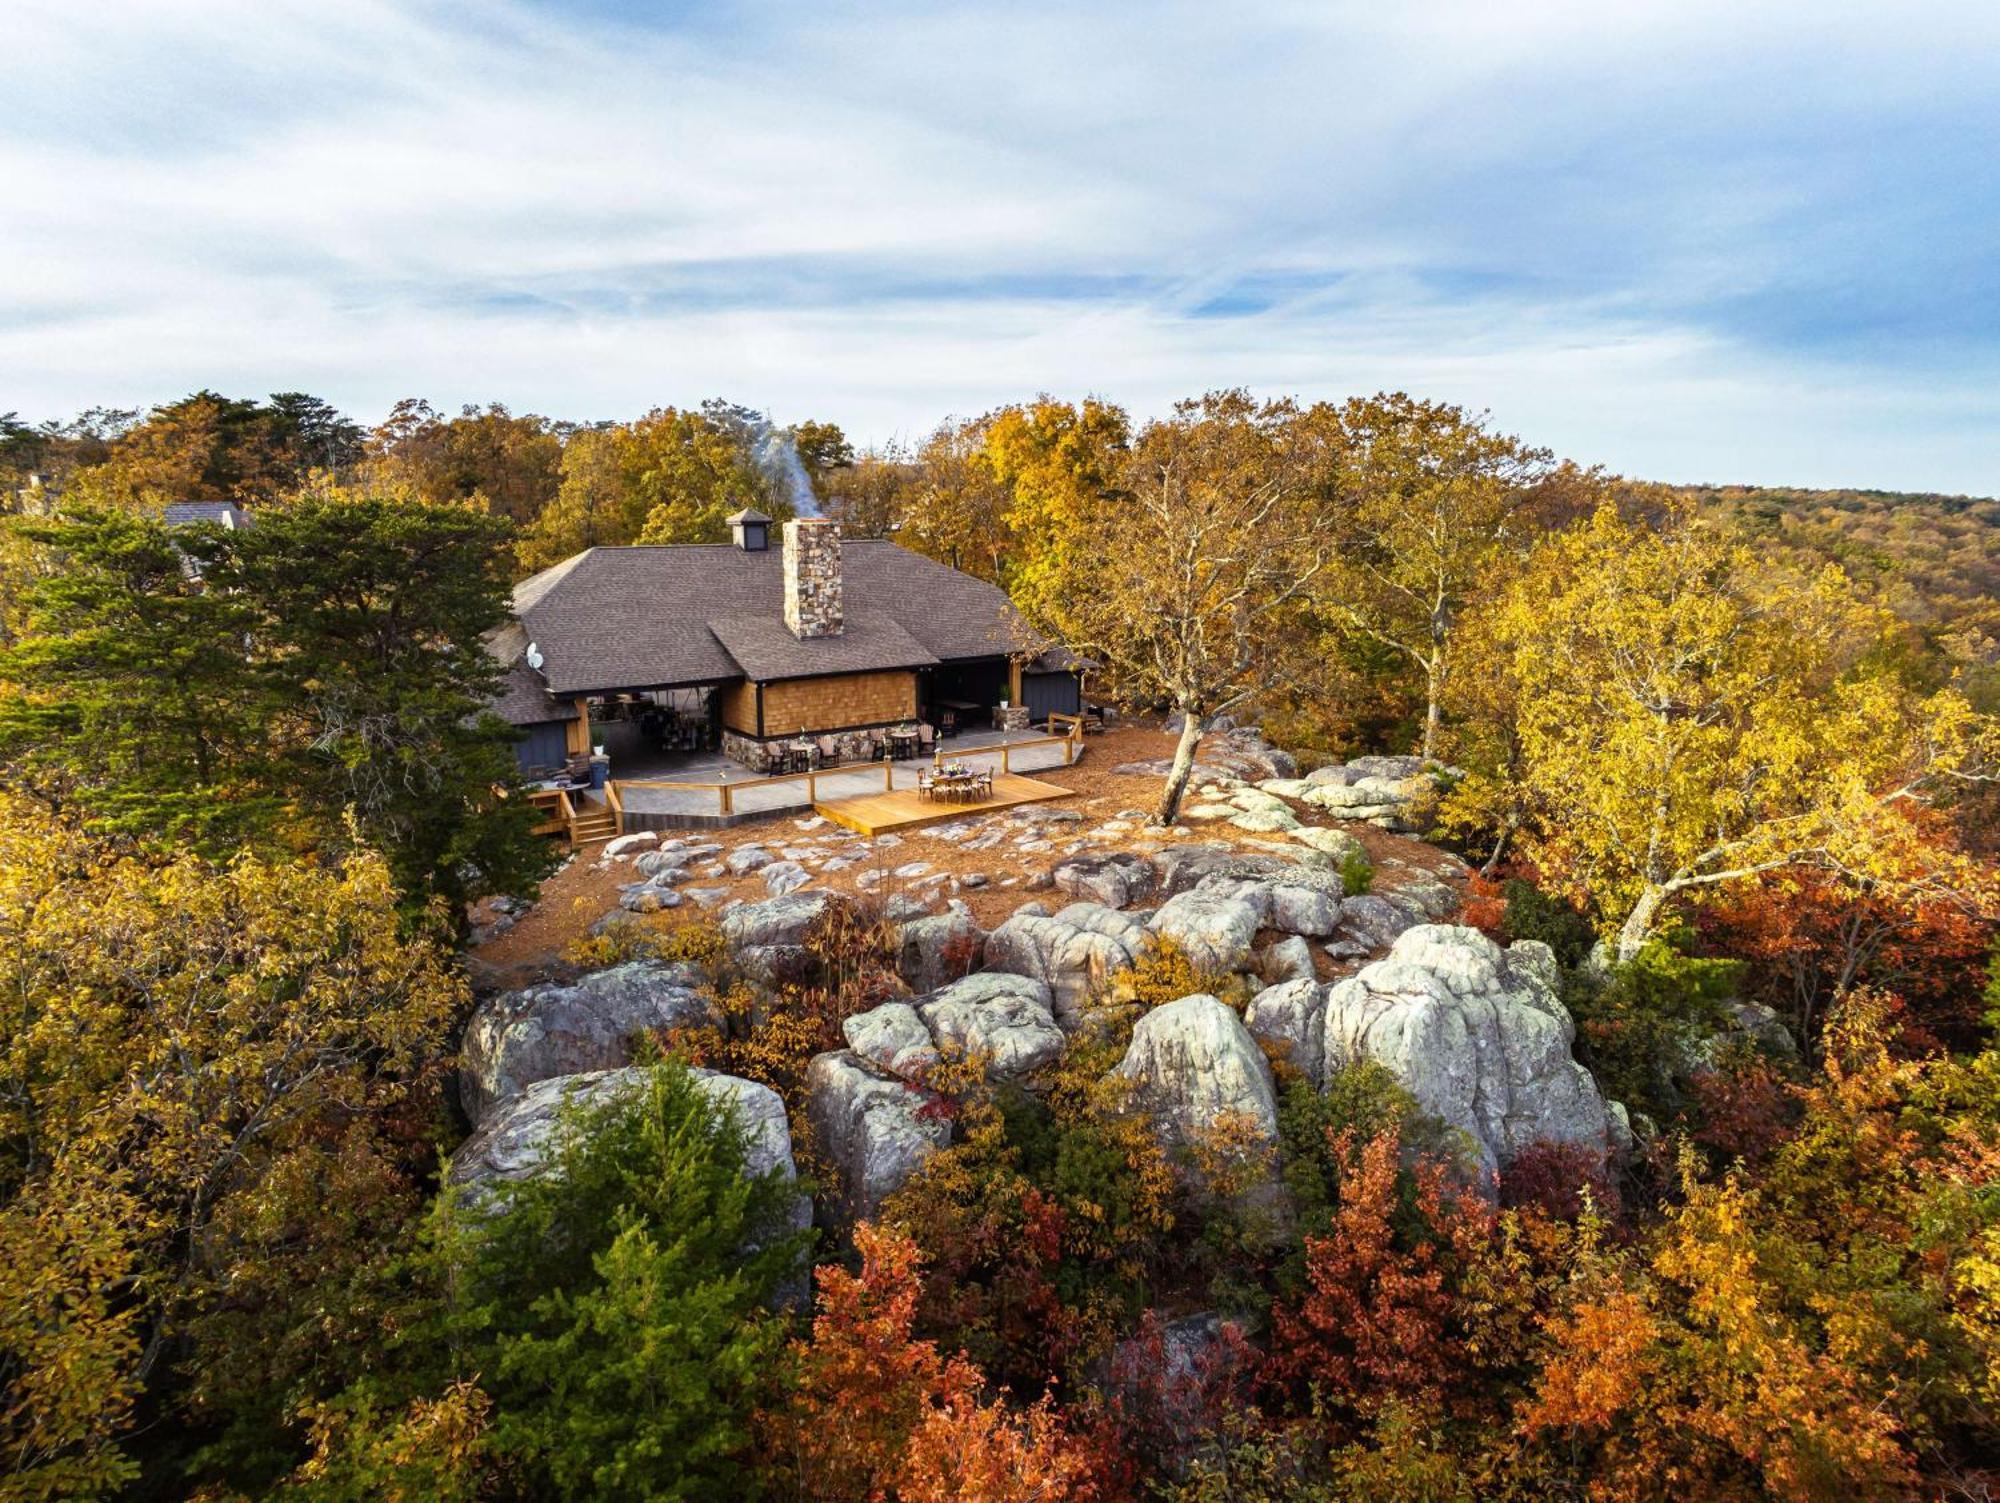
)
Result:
{"points": [[1198, 563]]}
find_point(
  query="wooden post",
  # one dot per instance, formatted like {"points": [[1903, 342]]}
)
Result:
{"points": [[1014, 680], [812, 788], [1005, 764], [728, 804], [888, 777]]}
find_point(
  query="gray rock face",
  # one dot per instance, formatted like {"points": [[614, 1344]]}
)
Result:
{"points": [[769, 938], [517, 1038], [935, 949], [1290, 1019], [997, 1017], [1005, 1020], [781, 877], [517, 1140], [625, 845], [1477, 1035], [1194, 1066], [1216, 931], [876, 1129], [1115, 879], [1287, 959], [1374, 920], [893, 1037], [1074, 953], [746, 859]]}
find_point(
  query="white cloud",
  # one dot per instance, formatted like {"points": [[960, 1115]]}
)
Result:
{"points": [[1614, 227]]}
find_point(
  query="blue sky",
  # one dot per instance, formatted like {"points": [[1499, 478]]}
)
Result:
{"points": [[1691, 241]]}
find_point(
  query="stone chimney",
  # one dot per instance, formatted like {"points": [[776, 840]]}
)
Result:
{"points": [[812, 577]]}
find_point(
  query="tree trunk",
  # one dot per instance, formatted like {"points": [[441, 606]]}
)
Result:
{"points": [[1430, 723], [1182, 770], [1639, 923]]}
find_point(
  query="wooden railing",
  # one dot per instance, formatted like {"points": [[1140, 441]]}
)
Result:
{"points": [[726, 794], [554, 802]]}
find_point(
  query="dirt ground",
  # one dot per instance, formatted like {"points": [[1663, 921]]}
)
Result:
{"points": [[994, 878]]}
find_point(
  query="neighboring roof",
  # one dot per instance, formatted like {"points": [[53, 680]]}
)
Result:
{"points": [[1056, 658], [868, 643], [181, 513], [525, 700], [636, 618], [524, 697]]}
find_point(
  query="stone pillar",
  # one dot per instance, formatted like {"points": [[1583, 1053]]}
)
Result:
{"points": [[812, 577]]}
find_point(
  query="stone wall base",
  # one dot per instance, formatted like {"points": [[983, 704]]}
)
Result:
{"points": [[767, 756], [1013, 718]]}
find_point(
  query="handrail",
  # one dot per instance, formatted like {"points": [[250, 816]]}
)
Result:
{"points": [[725, 792]]}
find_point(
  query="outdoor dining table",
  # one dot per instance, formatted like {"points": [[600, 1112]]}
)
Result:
{"points": [[801, 756], [961, 786], [902, 742]]}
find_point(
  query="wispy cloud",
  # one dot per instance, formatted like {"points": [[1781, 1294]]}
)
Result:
{"points": [[1673, 237]]}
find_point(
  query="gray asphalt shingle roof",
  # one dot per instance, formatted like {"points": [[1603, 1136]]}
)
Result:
{"points": [[635, 618]]}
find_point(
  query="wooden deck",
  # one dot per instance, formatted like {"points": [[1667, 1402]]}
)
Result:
{"points": [[881, 813]]}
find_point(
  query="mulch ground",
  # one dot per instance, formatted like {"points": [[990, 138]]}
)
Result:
{"points": [[586, 888]]}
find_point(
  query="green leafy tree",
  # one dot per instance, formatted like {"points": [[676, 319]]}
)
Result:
{"points": [[616, 1307], [130, 687], [371, 614]]}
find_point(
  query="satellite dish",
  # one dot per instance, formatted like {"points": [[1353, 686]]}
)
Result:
{"points": [[535, 658]]}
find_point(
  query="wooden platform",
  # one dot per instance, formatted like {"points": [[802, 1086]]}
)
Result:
{"points": [[880, 813]]}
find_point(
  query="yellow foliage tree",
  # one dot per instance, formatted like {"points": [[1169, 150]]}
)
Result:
{"points": [[1429, 503], [1192, 574], [1687, 714], [172, 1034]]}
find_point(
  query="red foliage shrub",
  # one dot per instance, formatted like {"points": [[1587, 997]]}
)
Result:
{"points": [[1554, 1178], [1373, 1321], [1485, 909], [1745, 1107]]}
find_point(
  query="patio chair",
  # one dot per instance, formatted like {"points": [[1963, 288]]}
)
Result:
{"points": [[925, 735], [829, 751], [947, 724], [926, 787], [982, 786]]}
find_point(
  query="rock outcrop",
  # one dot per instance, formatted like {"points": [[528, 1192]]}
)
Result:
{"points": [[936, 948], [1074, 953], [1115, 879], [519, 1137], [1477, 1036], [518, 1038], [1001, 1019], [1196, 1069], [769, 939], [875, 1128], [1217, 930]]}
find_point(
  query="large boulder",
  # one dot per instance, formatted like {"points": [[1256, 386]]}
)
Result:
{"points": [[1199, 1075], [937, 948], [1217, 930], [1074, 953], [1477, 1035], [894, 1038], [770, 939], [874, 1128], [1196, 1069], [1293, 900], [517, 1038], [517, 1139], [999, 1018], [1002, 1019], [1289, 1020], [1372, 921], [1116, 879]]}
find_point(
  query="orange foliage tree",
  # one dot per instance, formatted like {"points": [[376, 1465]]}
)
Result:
{"points": [[879, 1413]]}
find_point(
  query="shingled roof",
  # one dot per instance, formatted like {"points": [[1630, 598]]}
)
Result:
{"points": [[646, 618]]}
